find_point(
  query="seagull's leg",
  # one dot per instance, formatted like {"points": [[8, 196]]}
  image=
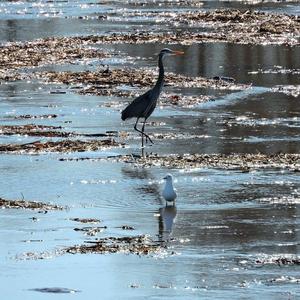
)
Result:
{"points": [[146, 135]]}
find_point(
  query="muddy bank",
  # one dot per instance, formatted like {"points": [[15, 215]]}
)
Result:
{"points": [[242, 162], [22, 204], [64, 146]]}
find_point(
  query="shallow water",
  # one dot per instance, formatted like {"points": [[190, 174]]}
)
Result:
{"points": [[224, 222]]}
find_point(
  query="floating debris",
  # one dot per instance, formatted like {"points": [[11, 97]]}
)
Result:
{"points": [[23, 117], [91, 231], [177, 136], [59, 146], [290, 90], [32, 241], [278, 260], [22, 204], [283, 279], [88, 220], [140, 245], [126, 227], [276, 70]]}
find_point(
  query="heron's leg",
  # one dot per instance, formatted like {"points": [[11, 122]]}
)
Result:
{"points": [[146, 135], [135, 128]]}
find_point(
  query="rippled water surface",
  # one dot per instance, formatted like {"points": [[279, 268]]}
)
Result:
{"points": [[225, 222]]}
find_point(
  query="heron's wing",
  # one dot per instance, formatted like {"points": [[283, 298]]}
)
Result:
{"points": [[142, 99], [139, 107]]}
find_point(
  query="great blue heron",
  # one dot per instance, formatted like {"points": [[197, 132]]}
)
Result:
{"points": [[144, 105]]}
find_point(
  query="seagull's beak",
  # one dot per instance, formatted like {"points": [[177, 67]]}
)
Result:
{"points": [[165, 177], [178, 52]]}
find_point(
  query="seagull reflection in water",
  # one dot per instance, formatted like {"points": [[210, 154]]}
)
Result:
{"points": [[166, 220], [167, 214]]}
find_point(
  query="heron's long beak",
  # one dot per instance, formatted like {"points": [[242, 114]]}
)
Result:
{"points": [[178, 52]]}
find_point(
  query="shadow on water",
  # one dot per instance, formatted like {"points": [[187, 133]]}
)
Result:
{"points": [[55, 290], [145, 175]]}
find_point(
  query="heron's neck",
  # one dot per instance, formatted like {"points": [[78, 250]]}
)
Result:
{"points": [[160, 81]]}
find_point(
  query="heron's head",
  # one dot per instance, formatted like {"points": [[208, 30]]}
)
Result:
{"points": [[168, 52], [168, 177]]}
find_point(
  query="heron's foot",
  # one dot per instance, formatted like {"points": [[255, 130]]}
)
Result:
{"points": [[149, 139]]}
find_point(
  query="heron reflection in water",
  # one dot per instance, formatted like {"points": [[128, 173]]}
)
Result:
{"points": [[144, 105]]}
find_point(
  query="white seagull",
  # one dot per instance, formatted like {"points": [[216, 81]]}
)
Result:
{"points": [[169, 193]]}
